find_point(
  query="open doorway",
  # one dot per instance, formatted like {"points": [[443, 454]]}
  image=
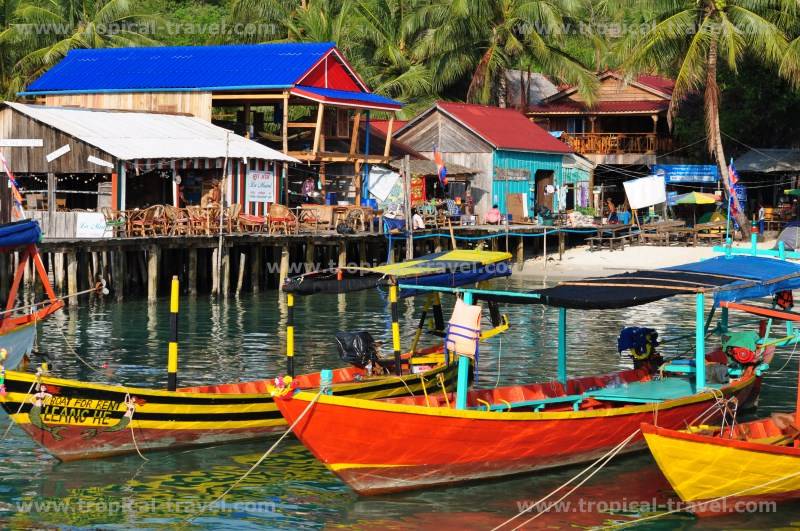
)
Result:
{"points": [[545, 185]]}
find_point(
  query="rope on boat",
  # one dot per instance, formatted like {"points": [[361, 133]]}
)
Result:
{"points": [[74, 352], [599, 464], [790, 359], [133, 434], [22, 403], [691, 506], [100, 287], [405, 385], [261, 459]]}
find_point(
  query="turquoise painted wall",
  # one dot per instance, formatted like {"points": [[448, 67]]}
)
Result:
{"points": [[524, 160]]}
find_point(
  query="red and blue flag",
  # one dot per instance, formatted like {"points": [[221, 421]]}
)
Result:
{"points": [[441, 169]]}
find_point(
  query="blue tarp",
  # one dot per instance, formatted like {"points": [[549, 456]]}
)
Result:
{"points": [[738, 277], [760, 276], [19, 233]]}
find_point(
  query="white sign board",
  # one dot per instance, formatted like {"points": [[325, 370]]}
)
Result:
{"points": [[91, 225], [381, 182], [646, 192], [260, 187]]}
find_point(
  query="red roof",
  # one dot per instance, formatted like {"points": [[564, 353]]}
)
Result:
{"points": [[503, 128], [603, 107], [382, 126], [657, 82]]}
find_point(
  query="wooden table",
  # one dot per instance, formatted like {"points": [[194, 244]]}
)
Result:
{"points": [[611, 234]]}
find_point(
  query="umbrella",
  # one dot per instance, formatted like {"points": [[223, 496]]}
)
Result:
{"points": [[695, 198]]}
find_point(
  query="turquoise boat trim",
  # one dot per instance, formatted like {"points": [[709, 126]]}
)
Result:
{"points": [[562, 345], [700, 342], [470, 291], [728, 251], [462, 387]]}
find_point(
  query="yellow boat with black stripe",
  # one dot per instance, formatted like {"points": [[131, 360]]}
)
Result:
{"points": [[80, 420]]}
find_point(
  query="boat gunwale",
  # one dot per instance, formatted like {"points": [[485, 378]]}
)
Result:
{"points": [[146, 391], [474, 414], [649, 429]]}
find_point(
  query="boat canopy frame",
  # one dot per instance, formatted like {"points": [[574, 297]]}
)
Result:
{"points": [[755, 277]]}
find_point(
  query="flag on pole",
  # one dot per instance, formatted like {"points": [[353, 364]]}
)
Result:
{"points": [[441, 169], [733, 176], [17, 197], [733, 180]]}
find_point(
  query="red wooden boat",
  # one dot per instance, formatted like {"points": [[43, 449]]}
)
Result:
{"points": [[382, 446]]}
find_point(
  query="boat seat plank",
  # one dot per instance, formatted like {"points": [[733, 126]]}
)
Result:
{"points": [[538, 404], [646, 392]]}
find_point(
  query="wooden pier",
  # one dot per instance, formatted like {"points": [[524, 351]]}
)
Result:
{"points": [[143, 266]]}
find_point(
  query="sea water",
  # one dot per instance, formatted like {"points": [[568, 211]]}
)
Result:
{"points": [[242, 338]]}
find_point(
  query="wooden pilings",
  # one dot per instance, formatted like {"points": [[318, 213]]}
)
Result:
{"points": [[144, 266]]}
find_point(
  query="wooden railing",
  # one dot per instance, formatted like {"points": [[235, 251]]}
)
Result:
{"points": [[611, 143]]}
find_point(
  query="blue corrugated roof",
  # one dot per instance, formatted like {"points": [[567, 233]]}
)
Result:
{"points": [[181, 68], [346, 95]]}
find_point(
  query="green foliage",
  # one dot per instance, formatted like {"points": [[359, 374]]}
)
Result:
{"points": [[419, 51]]}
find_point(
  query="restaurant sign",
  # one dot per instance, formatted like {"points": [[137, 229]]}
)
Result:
{"points": [[260, 187], [512, 174], [687, 173]]}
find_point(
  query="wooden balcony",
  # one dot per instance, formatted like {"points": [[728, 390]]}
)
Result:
{"points": [[617, 143]]}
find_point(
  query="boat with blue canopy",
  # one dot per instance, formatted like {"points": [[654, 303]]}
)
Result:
{"points": [[18, 324], [484, 433]]}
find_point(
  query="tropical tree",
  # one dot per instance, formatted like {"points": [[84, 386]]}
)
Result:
{"points": [[296, 21], [384, 52], [48, 29], [695, 38], [480, 41]]}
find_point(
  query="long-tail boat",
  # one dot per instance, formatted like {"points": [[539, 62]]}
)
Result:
{"points": [[18, 325], [81, 420], [485, 433], [725, 468]]}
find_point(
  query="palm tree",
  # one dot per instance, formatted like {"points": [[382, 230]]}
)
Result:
{"points": [[383, 54], [481, 40], [296, 20], [692, 37], [48, 29]]}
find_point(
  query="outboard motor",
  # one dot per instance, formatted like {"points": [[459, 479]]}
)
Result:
{"points": [[358, 349], [641, 342]]}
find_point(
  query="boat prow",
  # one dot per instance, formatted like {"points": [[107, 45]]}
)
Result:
{"points": [[736, 469]]}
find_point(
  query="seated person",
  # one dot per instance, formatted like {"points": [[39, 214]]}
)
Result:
{"points": [[417, 223], [493, 217]]}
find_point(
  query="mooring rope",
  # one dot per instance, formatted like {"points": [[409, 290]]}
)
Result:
{"points": [[261, 459], [100, 287], [22, 403], [74, 352], [599, 463]]}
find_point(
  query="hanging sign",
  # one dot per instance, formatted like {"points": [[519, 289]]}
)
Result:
{"points": [[260, 186], [645, 192], [687, 173], [417, 190], [91, 225]]}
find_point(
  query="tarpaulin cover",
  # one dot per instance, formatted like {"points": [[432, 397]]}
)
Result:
{"points": [[19, 233], [446, 269], [726, 278]]}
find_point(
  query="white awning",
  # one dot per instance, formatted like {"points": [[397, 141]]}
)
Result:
{"points": [[139, 135], [769, 161]]}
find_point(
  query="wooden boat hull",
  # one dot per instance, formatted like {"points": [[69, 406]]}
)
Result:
{"points": [[425, 446], [704, 468], [79, 420], [18, 341]]}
